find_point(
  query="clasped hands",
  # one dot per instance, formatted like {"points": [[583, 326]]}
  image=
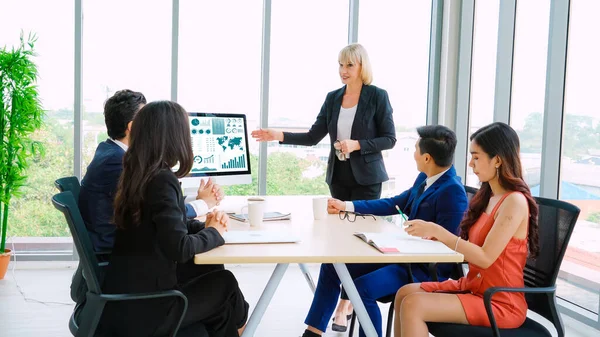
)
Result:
{"points": [[218, 220], [211, 193], [346, 146]]}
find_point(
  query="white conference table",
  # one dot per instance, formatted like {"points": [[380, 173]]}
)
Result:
{"points": [[322, 241]]}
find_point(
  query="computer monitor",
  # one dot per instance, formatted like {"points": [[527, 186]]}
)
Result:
{"points": [[220, 147]]}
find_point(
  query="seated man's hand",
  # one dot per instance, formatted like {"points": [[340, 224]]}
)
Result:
{"points": [[334, 206], [210, 192], [218, 220]]}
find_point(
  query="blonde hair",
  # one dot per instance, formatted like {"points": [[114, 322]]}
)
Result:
{"points": [[356, 53]]}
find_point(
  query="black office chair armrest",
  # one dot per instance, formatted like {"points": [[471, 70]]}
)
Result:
{"points": [[96, 303], [144, 296], [487, 300]]}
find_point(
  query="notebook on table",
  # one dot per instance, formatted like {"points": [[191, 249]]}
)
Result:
{"points": [[268, 216], [402, 243], [238, 237]]}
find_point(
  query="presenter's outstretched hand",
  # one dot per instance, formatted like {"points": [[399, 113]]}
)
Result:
{"points": [[267, 135], [218, 220], [334, 206]]}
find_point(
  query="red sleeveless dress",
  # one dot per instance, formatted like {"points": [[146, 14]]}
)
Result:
{"points": [[509, 309]]}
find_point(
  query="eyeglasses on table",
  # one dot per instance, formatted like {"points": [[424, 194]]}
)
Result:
{"points": [[351, 216]]}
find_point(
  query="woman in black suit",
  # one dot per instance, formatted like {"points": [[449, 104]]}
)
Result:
{"points": [[358, 119], [153, 239]]}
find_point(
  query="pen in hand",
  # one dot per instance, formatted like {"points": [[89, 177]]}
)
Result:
{"points": [[402, 214]]}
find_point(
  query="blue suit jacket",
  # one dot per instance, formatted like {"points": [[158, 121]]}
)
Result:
{"points": [[444, 202], [98, 189]]}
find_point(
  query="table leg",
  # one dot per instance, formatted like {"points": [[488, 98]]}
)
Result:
{"points": [[307, 276], [359, 307], [265, 299]]}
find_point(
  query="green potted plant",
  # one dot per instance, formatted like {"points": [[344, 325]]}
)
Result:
{"points": [[20, 115]]}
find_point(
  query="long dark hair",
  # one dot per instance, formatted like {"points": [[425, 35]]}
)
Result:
{"points": [[499, 139], [159, 139]]}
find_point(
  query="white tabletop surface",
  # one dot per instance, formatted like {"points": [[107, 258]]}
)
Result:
{"points": [[322, 241]]}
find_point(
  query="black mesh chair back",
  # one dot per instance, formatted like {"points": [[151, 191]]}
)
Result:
{"points": [[69, 184], [471, 191], [65, 202], [556, 221]]}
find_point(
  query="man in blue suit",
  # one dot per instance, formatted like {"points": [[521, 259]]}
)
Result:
{"points": [[437, 195], [99, 185]]}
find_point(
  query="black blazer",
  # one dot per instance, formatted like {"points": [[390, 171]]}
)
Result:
{"points": [[373, 127], [97, 194], [144, 258], [98, 189]]}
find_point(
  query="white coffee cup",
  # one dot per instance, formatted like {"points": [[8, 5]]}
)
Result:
{"points": [[256, 211], [320, 208]]}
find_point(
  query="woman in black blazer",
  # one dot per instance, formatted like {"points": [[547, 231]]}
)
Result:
{"points": [[153, 239], [358, 119]]}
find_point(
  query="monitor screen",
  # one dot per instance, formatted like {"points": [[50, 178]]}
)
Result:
{"points": [[220, 144]]}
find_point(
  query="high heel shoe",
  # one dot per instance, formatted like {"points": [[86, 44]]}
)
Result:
{"points": [[338, 327]]}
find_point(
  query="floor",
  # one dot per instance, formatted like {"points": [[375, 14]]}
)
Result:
{"points": [[34, 301]]}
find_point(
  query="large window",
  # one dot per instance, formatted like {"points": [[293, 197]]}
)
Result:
{"points": [[306, 38], [32, 214], [580, 162], [483, 70], [126, 45], [400, 60], [528, 84], [219, 64]]}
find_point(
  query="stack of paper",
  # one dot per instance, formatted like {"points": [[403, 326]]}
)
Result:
{"points": [[237, 237], [403, 243], [268, 216]]}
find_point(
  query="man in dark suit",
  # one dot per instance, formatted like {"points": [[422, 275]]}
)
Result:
{"points": [[437, 195], [99, 185]]}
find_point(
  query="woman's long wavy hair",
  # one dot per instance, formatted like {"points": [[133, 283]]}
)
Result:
{"points": [[499, 139], [159, 139]]}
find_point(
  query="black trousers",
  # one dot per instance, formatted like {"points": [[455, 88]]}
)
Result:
{"points": [[214, 298], [344, 187]]}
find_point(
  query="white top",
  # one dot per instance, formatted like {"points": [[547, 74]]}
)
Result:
{"points": [[428, 182], [345, 121], [199, 206], [121, 144]]}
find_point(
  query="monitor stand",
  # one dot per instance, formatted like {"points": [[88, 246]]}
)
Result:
{"points": [[190, 185]]}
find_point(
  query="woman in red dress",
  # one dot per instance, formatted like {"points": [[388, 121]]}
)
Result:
{"points": [[497, 232]]}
